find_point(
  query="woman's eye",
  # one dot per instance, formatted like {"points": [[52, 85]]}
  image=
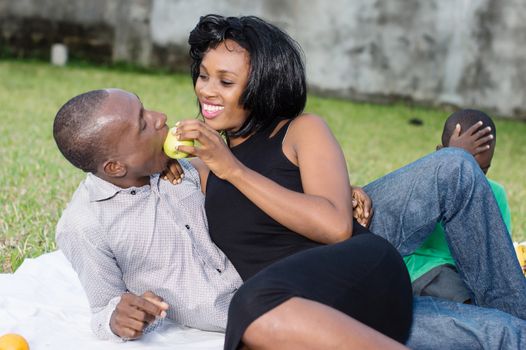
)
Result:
{"points": [[226, 82]]}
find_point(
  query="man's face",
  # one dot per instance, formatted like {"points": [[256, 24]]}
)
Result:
{"points": [[134, 135]]}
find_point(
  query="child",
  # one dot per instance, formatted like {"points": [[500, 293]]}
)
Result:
{"points": [[431, 267]]}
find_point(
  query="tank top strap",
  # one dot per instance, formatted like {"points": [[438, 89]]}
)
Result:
{"points": [[280, 135]]}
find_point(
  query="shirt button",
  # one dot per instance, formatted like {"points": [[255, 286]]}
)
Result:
{"points": [[133, 192], [218, 270], [187, 227]]}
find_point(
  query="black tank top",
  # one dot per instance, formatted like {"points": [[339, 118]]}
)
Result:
{"points": [[250, 238]]}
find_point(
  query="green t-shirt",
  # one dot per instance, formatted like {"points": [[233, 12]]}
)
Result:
{"points": [[434, 251]]}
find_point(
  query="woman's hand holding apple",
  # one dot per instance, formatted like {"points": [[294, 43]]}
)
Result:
{"points": [[212, 150]]}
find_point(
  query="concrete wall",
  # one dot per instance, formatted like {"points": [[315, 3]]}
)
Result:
{"points": [[468, 53]]}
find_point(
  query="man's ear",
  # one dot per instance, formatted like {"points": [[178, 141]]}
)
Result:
{"points": [[439, 147], [114, 168]]}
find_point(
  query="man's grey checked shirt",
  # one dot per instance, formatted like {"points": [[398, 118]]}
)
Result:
{"points": [[151, 238]]}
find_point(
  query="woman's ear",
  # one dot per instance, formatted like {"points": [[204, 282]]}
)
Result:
{"points": [[114, 168]]}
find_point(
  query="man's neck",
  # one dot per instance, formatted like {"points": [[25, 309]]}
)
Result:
{"points": [[125, 182]]}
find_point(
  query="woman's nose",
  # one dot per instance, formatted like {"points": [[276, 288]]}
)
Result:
{"points": [[207, 89]]}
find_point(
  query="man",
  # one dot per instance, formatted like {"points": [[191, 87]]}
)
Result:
{"points": [[133, 239]]}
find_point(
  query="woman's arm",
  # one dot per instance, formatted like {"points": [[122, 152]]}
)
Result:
{"points": [[323, 212]]}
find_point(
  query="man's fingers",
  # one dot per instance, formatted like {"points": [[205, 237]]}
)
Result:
{"points": [[129, 333], [124, 325], [157, 300], [176, 169], [141, 303], [367, 206], [136, 307], [363, 200], [141, 316], [147, 306], [133, 319]]}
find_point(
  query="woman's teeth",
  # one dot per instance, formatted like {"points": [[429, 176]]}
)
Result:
{"points": [[212, 108]]}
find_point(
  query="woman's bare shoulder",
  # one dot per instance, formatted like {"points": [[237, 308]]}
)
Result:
{"points": [[308, 124]]}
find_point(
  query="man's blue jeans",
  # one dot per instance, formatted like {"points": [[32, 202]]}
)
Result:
{"points": [[443, 324], [449, 186]]}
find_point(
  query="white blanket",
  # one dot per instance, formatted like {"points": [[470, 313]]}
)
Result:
{"points": [[44, 302]]}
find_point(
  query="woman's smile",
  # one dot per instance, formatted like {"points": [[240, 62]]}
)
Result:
{"points": [[223, 77], [211, 111]]}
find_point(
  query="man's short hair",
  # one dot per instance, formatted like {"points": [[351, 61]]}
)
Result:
{"points": [[75, 131], [466, 118]]}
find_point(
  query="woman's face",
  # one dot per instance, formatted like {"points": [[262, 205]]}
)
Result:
{"points": [[223, 76]]}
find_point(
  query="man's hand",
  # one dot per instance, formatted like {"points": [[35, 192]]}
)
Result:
{"points": [[474, 140], [134, 313], [362, 206], [173, 172]]}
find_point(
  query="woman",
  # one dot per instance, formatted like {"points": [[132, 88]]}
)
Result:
{"points": [[278, 193]]}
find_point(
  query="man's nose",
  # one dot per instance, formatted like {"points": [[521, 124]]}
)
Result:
{"points": [[160, 120]]}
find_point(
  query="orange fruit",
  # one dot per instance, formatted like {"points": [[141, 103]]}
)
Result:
{"points": [[13, 341]]}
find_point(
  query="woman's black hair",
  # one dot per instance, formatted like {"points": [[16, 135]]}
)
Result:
{"points": [[276, 87]]}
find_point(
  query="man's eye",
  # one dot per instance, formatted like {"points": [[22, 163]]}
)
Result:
{"points": [[203, 76]]}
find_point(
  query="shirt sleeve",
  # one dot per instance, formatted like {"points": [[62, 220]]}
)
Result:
{"points": [[190, 172], [100, 322], [96, 268]]}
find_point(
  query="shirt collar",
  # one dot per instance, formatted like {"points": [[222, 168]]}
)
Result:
{"points": [[100, 189]]}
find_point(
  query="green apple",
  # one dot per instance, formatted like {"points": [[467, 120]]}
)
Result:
{"points": [[171, 143]]}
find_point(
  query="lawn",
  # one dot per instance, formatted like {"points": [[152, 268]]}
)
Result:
{"points": [[36, 182]]}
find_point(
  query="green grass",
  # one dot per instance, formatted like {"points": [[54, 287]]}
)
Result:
{"points": [[36, 182]]}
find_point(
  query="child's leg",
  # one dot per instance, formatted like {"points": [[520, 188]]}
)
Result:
{"points": [[449, 186]]}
